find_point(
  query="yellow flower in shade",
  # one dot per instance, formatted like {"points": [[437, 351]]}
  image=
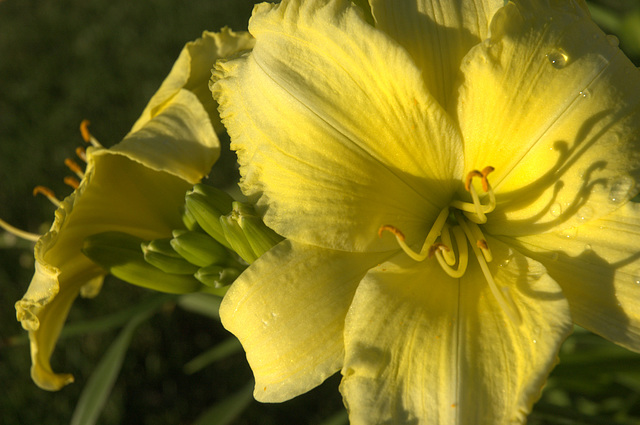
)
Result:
{"points": [[137, 187], [453, 180]]}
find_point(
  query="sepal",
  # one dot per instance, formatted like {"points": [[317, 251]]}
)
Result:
{"points": [[216, 276], [120, 254], [161, 254], [206, 205], [198, 248]]}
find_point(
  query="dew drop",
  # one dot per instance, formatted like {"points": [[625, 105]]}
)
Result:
{"points": [[557, 58], [636, 277], [569, 233], [588, 247], [585, 213], [535, 342], [556, 209], [586, 94], [620, 189], [613, 40]]}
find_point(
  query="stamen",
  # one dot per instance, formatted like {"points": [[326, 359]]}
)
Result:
{"points": [[435, 231], [86, 135], [48, 193], [508, 308], [73, 166], [19, 233], [81, 153], [72, 181], [485, 182], [438, 247], [449, 255], [463, 255], [479, 217], [481, 242], [470, 176]]}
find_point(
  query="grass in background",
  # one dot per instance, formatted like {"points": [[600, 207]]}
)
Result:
{"points": [[62, 61]]}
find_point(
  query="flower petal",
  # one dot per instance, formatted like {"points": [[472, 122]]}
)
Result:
{"points": [[137, 187], [179, 140], [554, 106], [114, 195], [192, 71], [288, 309], [598, 267], [437, 34], [424, 348], [334, 128]]}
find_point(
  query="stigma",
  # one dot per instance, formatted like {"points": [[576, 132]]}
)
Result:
{"points": [[456, 233]]}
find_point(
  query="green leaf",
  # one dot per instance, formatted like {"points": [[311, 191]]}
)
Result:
{"points": [[225, 349], [99, 385], [200, 303], [227, 410]]}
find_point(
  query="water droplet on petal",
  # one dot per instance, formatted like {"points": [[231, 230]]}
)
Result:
{"points": [[558, 58], [586, 94], [613, 40], [570, 233], [636, 277], [556, 209], [535, 342], [588, 247], [620, 189], [585, 213]]}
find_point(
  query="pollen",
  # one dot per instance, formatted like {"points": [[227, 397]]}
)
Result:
{"points": [[462, 226], [73, 166], [72, 182], [86, 135], [41, 190]]}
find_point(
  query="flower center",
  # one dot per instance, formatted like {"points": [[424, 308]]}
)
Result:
{"points": [[454, 230]]}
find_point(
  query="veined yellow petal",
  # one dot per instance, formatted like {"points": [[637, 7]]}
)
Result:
{"points": [[334, 128], [192, 71], [424, 348], [179, 139], [437, 35], [114, 195], [598, 267], [553, 105], [288, 312]]}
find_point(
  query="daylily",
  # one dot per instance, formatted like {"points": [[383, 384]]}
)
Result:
{"points": [[501, 141], [137, 186]]}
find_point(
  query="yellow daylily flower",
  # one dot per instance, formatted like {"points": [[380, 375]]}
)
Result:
{"points": [[137, 186], [501, 141]]}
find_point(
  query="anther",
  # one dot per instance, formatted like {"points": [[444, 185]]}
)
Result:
{"points": [[470, 176], [389, 228], [482, 244], [72, 181], [86, 135], [438, 246], [48, 193], [485, 182], [73, 166], [81, 153]]}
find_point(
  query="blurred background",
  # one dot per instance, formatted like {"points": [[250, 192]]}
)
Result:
{"points": [[62, 61]]}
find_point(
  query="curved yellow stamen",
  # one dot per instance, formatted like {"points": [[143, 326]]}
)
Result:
{"points": [[18, 232], [509, 308], [463, 255], [48, 193], [73, 166], [86, 135], [433, 234], [72, 181]]}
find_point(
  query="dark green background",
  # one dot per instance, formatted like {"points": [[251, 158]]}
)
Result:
{"points": [[63, 61]]}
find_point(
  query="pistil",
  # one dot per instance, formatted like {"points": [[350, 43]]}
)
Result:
{"points": [[463, 224]]}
